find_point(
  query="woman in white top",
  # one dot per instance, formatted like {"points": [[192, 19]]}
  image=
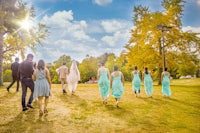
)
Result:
{"points": [[73, 77]]}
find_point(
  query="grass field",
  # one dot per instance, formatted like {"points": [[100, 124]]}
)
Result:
{"points": [[85, 112]]}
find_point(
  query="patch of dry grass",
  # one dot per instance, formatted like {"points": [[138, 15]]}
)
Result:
{"points": [[85, 112]]}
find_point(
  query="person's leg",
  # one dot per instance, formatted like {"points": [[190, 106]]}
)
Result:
{"points": [[40, 105], [45, 104], [31, 86], [24, 91], [11, 84], [63, 85], [117, 102], [17, 85]]}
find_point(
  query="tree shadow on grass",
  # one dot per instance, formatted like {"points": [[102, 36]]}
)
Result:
{"points": [[183, 102], [166, 100], [152, 100], [118, 111]]}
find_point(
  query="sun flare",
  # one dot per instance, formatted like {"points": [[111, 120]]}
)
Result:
{"points": [[26, 24]]}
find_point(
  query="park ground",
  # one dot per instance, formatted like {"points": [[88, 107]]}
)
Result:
{"points": [[85, 113]]}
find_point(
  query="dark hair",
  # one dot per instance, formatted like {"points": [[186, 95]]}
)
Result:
{"points": [[34, 65], [165, 68], [41, 65], [16, 59], [135, 68], [115, 68], [64, 63], [102, 63], [146, 70], [29, 56]]}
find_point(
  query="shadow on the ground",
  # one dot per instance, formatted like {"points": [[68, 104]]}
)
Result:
{"points": [[28, 121]]}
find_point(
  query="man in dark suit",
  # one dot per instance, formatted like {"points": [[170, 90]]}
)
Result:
{"points": [[15, 74], [26, 71]]}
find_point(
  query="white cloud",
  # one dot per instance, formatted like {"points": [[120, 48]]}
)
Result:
{"points": [[79, 38], [193, 29], [118, 38], [61, 19], [111, 26], [102, 2]]}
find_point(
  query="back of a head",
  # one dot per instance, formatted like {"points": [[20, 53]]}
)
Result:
{"points": [[41, 65], [30, 56], [115, 68], [146, 70], [165, 68], [64, 63], [17, 59], [102, 64], [135, 67]]}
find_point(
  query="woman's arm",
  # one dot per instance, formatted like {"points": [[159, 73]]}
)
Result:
{"points": [[48, 76], [109, 76], [34, 75], [98, 74]]}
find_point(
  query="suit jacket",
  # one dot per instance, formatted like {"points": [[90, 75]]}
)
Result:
{"points": [[63, 71], [26, 69], [15, 69]]}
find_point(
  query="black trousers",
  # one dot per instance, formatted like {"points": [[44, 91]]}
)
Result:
{"points": [[13, 81], [27, 83]]}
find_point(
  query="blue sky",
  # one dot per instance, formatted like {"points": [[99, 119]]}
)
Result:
{"points": [[80, 27]]}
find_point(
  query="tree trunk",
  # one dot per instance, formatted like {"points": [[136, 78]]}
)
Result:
{"points": [[1, 59]]}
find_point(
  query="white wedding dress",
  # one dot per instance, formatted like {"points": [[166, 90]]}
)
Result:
{"points": [[73, 77]]}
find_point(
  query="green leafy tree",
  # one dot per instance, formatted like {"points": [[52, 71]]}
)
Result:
{"points": [[13, 38], [7, 76], [88, 68], [145, 47], [110, 62]]}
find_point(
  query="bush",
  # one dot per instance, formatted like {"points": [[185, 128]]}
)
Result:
{"points": [[7, 76]]}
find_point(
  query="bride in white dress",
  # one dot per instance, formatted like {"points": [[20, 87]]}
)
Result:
{"points": [[73, 77]]}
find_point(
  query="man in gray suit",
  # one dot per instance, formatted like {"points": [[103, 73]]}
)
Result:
{"points": [[63, 72]]}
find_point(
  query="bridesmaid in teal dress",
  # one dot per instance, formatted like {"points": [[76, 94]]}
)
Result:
{"points": [[148, 82], [136, 82], [103, 75], [117, 84], [166, 83]]}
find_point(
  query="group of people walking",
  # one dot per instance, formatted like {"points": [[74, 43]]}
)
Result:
{"points": [[37, 78], [115, 81]]}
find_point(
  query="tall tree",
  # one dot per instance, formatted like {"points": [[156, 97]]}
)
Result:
{"points": [[12, 38], [88, 68], [146, 48]]}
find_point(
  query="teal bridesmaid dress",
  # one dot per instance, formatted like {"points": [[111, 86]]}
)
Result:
{"points": [[104, 84], [166, 85], [148, 84], [136, 82], [117, 86]]}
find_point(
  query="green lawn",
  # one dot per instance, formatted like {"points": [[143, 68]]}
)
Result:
{"points": [[86, 113]]}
